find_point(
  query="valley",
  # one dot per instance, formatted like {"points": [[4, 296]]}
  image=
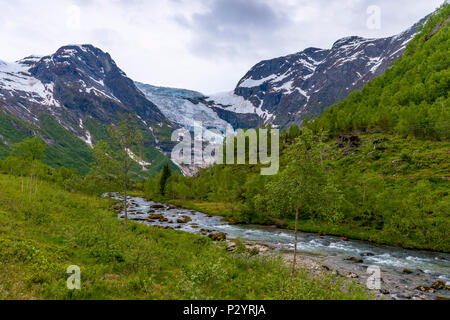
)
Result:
{"points": [[361, 137]]}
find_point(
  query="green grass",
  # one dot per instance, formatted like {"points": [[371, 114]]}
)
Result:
{"points": [[67, 150], [40, 239]]}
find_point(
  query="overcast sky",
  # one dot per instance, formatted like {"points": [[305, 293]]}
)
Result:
{"points": [[205, 45]]}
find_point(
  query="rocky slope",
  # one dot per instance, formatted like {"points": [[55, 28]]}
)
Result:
{"points": [[285, 90]]}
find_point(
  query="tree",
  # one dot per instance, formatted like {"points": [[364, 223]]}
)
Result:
{"points": [[166, 173], [106, 167], [30, 150], [299, 185], [127, 135]]}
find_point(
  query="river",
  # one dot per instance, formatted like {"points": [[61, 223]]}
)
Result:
{"points": [[402, 270]]}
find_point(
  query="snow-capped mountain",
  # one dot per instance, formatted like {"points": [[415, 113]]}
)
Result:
{"points": [[72, 84], [285, 90], [79, 87]]}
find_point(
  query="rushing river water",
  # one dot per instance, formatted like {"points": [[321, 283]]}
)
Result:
{"points": [[423, 268]]}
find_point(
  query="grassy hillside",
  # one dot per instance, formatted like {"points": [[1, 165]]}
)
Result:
{"points": [[40, 239], [148, 151]]}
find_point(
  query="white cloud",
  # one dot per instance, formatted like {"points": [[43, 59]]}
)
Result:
{"points": [[205, 45]]}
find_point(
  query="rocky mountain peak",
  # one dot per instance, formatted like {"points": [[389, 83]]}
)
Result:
{"points": [[285, 90]]}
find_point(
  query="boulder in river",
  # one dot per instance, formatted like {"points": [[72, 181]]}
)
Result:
{"points": [[157, 206], [355, 260], [184, 219], [218, 236], [155, 216], [407, 271], [205, 231], [138, 219]]}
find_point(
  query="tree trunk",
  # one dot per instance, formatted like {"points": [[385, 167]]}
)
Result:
{"points": [[125, 197], [294, 262], [31, 180]]}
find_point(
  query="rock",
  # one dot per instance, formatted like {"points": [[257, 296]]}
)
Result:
{"points": [[352, 275], [407, 271], [155, 216], [425, 289], [440, 285], [157, 206], [205, 231], [138, 219], [151, 211], [343, 238], [218, 236], [172, 207], [231, 247], [159, 217], [367, 254], [384, 291], [335, 273], [184, 219], [325, 268], [355, 260], [446, 298]]}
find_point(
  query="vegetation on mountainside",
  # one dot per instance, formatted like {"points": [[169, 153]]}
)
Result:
{"points": [[64, 149], [410, 99]]}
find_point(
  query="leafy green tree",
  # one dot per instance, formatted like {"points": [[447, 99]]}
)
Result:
{"points": [[301, 184], [106, 168], [166, 173], [127, 136], [30, 150]]}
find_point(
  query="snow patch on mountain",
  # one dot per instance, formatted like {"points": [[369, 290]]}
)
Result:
{"points": [[230, 101], [178, 105], [16, 77]]}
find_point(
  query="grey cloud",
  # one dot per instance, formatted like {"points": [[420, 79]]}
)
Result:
{"points": [[230, 27]]}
